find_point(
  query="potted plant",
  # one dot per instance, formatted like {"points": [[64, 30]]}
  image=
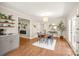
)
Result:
{"points": [[61, 28]]}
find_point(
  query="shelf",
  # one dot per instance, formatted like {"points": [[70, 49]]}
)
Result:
{"points": [[6, 26], [8, 19], [7, 22]]}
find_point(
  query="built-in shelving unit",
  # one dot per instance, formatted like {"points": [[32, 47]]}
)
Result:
{"points": [[7, 24]]}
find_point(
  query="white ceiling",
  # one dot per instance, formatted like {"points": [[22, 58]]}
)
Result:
{"points": [[38, 9]]}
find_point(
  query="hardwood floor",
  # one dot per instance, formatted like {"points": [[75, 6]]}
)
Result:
{"points": [[27, 49]]}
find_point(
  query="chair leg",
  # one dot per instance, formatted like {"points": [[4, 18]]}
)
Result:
{"points": [[51, 42]]}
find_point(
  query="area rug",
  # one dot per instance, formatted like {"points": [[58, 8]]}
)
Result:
{"points": [[46, 46]]}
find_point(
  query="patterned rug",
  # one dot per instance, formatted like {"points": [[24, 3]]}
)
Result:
{"points": [[50, 45]]}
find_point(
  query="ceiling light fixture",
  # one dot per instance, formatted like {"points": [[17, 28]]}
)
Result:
{"points": [[45, 18]]}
